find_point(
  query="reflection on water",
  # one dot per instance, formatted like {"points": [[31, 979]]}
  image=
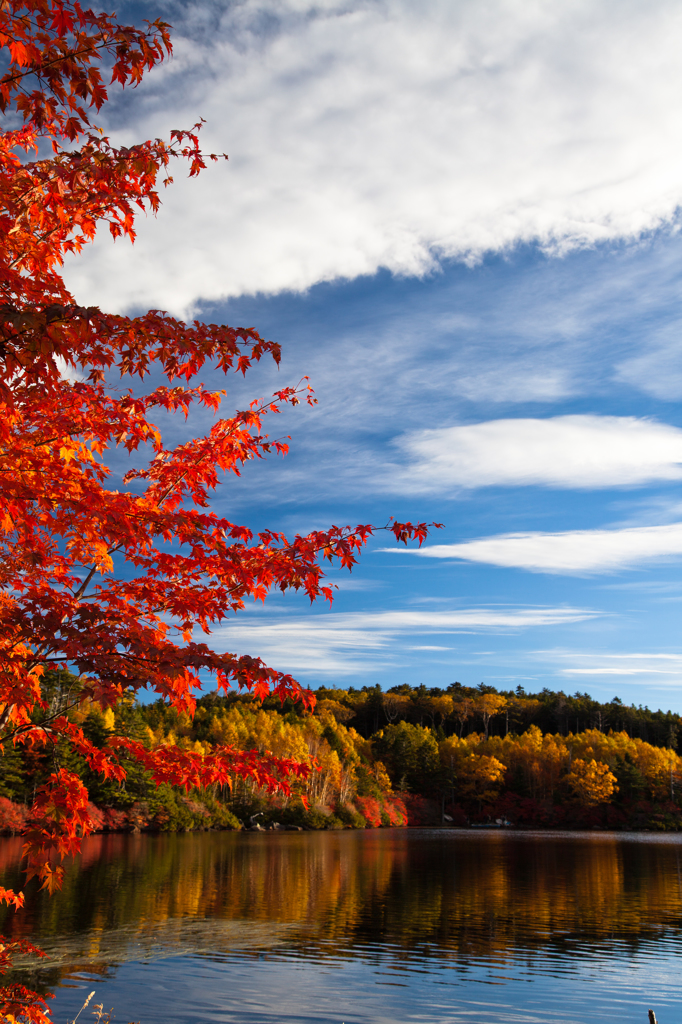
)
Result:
{"points": [[327, 926]]}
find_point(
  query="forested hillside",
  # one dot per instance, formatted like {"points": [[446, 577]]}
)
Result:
{"points": [[465, 709], [407, 756]]}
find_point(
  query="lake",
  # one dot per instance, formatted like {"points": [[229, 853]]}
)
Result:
{"points": [[422, 925]]}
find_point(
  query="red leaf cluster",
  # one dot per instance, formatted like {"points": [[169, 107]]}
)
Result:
{"points": [[370, 809]]}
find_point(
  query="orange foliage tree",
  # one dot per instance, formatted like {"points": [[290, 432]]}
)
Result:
{"points": [[591, 781], [479, 775], [487, 706], [110, 579]]}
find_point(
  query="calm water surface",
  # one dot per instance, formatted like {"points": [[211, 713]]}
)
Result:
{"points": [[385, 925]]}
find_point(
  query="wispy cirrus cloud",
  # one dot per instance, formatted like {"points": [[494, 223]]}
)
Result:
{"points": [[580, 451], [580, 552], [666, 665], [367, 135], [345, 643]]}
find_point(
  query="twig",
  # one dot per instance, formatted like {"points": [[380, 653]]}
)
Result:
{"points": [[82, 1008]]}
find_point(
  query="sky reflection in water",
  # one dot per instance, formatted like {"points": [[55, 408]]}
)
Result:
{"points": [[400, 925]]}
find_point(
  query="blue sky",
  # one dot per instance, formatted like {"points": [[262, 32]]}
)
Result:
{"points": [[461, 221]]}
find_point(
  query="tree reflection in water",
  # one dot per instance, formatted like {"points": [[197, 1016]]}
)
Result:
{"points": [[132, 896]]}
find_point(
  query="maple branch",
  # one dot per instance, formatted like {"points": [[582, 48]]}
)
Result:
{"points": [[6, 714], [86, 582], [70, 55], [197, 462], [30, 726]]}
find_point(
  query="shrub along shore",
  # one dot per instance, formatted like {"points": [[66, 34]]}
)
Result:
{"points": [[411, 756]]}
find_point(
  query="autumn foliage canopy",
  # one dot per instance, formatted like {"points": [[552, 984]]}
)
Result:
{"points": [[112, 579]]}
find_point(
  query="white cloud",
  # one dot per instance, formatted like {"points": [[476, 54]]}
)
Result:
{"points": [[644, 664], [565, 451], [658, 368], [578, 552], [347, 642], [369, 134]]}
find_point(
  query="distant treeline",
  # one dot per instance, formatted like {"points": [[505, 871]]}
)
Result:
{"points": [[411, 755], [466, 709]]}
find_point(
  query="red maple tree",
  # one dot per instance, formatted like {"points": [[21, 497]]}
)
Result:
{"points": [[64, 530]]}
